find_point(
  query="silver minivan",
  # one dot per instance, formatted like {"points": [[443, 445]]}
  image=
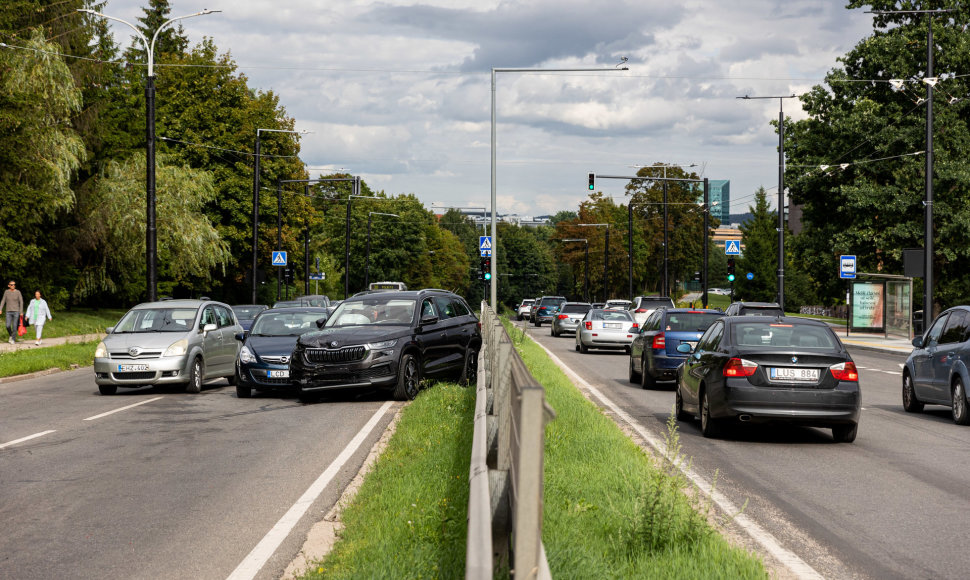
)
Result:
{"points": [[169, 342]]}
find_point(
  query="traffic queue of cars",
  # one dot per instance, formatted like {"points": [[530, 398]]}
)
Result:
{"points": [[388, 340]]}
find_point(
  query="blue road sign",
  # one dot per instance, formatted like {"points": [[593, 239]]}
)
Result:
{"points": [[320, 276], [485, 246], [279, 258], [750, 276], [732, 247], [846, 266]]}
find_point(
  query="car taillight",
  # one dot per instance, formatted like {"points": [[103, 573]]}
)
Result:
{"points": [[845, 372], [738, 367], [562, 317], [640, 310], [589, 325], [659, 341], [636, 325]]}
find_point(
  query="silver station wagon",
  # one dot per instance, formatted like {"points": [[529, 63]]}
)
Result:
{"points": [[170, 342]]}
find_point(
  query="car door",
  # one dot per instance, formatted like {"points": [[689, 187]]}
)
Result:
{"points": [[923, 373], [230, 346], [433, 338], [456, 333], [643, 341], [211, 341], [700, 362], [948, 353]]}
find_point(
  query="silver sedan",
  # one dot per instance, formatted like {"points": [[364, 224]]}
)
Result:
{"points": [[614, 329], [569, 317]]}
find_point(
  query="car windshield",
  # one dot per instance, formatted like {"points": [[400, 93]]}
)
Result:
{"points": [[318, 301], [373, 310], [785, 335], [690, 321], [285, 323], [247, 312], [761, 311], [157, 320]]}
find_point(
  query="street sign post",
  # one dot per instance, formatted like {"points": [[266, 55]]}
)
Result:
{"points": [[485, 246], [279, 258], [847, 267], [732, 247]]}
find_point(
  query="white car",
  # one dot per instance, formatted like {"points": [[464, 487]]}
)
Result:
{"points": [[617, 304], [643, 306], [523, 310], [613, 329]]}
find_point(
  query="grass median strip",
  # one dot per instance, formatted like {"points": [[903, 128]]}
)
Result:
{"points": [[24, 361], [610, 511]]}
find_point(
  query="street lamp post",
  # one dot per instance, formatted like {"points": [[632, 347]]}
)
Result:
{"points": [[586, 276], [256, 199], [370, 214], [151, 250], [494, 293]]}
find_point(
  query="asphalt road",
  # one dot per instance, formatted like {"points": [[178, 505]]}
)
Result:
{"points": [[176, 486], [893, 504]]}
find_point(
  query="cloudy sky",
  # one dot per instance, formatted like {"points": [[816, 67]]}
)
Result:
{"points": [[398, 91]]}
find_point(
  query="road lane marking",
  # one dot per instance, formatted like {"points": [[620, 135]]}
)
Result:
{"points": [[122, 409], [789, 559], [27, 438], [264, 550]]}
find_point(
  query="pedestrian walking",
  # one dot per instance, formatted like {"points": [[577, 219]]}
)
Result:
{"points": [[37, 314], [13, 304]]}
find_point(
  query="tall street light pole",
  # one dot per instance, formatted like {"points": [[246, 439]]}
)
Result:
{"points": [[586, 276], [781, 192], [370, 214], [494, 292], [151, 250], [256, 200], [606, 258]]}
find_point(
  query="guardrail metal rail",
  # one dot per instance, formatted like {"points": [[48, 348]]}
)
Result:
{"points": [[505, 477]]}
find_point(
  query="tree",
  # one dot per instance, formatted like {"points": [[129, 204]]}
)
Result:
{"points": [[759, 237]]}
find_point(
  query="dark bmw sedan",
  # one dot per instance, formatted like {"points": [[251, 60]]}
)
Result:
{"points": [[389, 341], [761, 369], [263, 363]]}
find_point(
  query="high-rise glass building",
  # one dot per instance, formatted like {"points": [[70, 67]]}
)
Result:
{"points": [[720, 199]]}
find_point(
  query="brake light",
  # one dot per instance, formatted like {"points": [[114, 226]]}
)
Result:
{"points": [[659, 341], [738, 367], [562, 317], [845, 372], [589, 325], [636, 325]]}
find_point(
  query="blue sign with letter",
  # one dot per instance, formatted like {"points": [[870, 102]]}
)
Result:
{"points": [[732, 248], [279, 258], [750, 276], [485, 246], [846, 266]]}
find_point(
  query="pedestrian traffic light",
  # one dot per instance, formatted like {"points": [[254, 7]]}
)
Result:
{"points": [[730, 270], [592, 181], [486, 269]]}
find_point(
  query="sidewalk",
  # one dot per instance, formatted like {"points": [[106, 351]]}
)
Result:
{"points": [[27, 341], [877, 342]]}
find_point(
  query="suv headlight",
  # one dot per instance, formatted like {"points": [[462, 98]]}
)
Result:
{"points": [[101, 351], [246, 356], [384, 344], [178, 348]]}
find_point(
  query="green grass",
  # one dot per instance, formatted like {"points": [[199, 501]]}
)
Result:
{"points": [[610, 511], [25, 361], [73, 322]]}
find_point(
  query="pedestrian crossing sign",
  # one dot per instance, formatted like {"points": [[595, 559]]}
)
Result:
{"points": [[485, 246], [279, 258], [732, 248]]}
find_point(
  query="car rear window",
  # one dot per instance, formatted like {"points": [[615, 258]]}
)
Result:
{"points": [[550, 301], [576, 308], [690, 321], [761, 311], [785, 335], [612, 315]]}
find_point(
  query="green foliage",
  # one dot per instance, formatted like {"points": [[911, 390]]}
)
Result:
{"points": [[23, 361], [760, 240]]}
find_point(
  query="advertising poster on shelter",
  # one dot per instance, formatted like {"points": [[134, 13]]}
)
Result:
{"points": [[868, 305]]}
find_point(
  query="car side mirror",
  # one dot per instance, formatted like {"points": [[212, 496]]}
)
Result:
{"points": [[322, 321], [432, 319], [684, 348], [918, 341], [209, 328], [109, 330], [241, 336]]}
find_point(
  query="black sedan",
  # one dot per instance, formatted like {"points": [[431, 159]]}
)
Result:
{"points": [[761, 369], [263, 363]]}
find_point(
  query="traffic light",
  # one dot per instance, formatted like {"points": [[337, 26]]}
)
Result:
{"points": [[730, 270], [486, 269], [592, 181]]}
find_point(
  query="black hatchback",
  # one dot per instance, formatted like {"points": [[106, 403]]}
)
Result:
{"points": [[761, 369], [388, 341]]}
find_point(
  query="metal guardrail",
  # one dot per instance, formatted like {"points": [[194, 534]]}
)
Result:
{"points": [[505, 477]]}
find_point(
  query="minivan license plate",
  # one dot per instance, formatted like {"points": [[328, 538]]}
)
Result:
{"points": [[131, 368], [790, 374]]}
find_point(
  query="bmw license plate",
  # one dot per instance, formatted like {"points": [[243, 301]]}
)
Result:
{"points": [[791, 374], [131, 368], [277, 374]]}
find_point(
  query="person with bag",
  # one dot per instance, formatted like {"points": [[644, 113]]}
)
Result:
{"points": [[13, 304], [37, 314]]}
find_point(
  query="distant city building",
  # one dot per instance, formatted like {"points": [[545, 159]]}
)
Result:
{"points": [[720, 198]]}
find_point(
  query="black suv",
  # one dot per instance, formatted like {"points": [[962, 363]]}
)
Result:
{"points": [[390, 341], [754, 308]]}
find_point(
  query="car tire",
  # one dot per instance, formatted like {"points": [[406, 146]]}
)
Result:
{"points": [[232, 379], [469, 373], [538, 324], [583, 348], [961, 416], [646, 379], [107, 390], [195, 377], [845, 433], [910, 403], [710, 427], [552, 331], [634, 375], [408, 378], [679, 408], [243, 392]]}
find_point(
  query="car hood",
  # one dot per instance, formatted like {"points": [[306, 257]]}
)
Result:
{"points": [[271, 345], [142, 340], [350, 335]]}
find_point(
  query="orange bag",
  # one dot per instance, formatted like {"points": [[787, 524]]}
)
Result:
{"points": [[20, 328]]}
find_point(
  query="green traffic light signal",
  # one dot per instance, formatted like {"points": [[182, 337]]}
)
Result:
{"points": [[488, 276], [592, 181], [730, 277]]}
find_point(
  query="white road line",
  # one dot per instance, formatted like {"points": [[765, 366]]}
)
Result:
{"points": [[121, 409], [789, 559], [27, 438], [254, 562]]}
